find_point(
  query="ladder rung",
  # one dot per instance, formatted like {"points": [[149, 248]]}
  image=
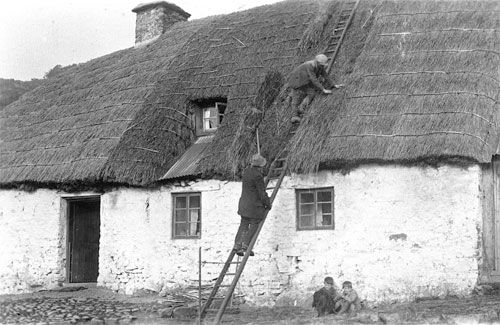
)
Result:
{"points": [[339, 29], [207, 262]]}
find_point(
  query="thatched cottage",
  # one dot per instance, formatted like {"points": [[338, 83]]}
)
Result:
{"points": [[117, 170]]}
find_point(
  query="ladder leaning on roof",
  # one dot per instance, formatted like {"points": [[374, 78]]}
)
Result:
{"points": [[277, 170]]}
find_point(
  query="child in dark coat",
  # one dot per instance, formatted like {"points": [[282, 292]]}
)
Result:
{"points": [[324, 299]]}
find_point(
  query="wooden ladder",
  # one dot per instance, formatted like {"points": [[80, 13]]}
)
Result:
{"points": [[346, 14], [277, 170]]}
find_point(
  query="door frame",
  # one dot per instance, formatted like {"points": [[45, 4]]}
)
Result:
{"points": [[66, 211]]}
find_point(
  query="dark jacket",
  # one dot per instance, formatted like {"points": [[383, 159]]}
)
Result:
{"points": [[309, 73], [254, 200], [324, 301]]}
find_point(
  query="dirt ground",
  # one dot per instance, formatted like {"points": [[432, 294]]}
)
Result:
{"points": [[95, 305]]}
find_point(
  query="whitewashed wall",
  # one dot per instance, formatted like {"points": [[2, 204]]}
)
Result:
{"points": [[437, 209], [32, 249]]}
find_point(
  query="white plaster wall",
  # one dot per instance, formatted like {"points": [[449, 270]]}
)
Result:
{"points": [[31, 245], [437, 209]]}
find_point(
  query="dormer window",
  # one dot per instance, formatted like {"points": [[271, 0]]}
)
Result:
{"points": [[212, 116], [209, 116]]}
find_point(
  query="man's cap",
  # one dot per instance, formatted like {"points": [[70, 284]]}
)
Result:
{"points": [[329, 280], [258, 161], [321, 59]]}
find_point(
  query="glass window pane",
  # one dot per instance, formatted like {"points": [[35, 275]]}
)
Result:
{"points": [[194, 229], [306, 197], [325, 208], [180, 215], [194, 201], [306, 221], [324, 196], [181, 229], [210, 124], [194, 215], [306, 209], [209, 112], [180, 202], [327, 220]]}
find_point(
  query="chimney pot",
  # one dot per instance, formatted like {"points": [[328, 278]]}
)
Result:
{"points": [[154, 18]]}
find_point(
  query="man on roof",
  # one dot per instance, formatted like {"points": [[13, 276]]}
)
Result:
{"points": [[306, 81]]}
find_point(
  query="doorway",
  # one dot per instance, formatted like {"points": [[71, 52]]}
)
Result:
{"points": [[83, 239]]}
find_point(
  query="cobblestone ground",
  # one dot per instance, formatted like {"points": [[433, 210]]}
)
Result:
{"points": [[101, 306]]}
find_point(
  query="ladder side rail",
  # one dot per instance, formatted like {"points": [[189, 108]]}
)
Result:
{"points": [[241, 267], [334, 55], [217, 283]]}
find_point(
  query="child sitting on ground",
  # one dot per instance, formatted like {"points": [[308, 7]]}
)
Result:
{"points": [[349, 301], [324, 299]]}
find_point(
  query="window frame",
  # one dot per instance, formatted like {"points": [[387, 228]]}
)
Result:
{"points": [[220, 110], [315, 190], [174, 209]]}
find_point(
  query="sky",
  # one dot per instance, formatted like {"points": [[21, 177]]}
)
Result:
{"points": [[37, 35]]}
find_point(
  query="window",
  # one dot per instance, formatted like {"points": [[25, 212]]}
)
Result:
{"points": [[212, 116], [208, 114], [186, 215], [315, 209]]}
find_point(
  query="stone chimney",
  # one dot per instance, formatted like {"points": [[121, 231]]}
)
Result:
{"points": [[154, 18]]}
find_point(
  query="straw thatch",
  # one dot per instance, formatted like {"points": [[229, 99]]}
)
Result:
{"points": [[124, 118], [421, 77], [422, 84]]}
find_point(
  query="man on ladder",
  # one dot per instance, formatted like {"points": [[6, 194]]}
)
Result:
{"points": [[253, 203], [305, 83]]}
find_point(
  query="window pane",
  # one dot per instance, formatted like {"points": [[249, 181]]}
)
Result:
{"points": [[194, 229], [306, 209], [181, 229], [210, 124], [194, 201], [307, 221], [180, 215], [180, 202], [209, 112], [325, 208], [327, 220], [324, 196], [194, 215], [306, 197]]}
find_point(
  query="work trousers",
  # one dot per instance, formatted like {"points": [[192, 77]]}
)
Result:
{"points": [[248, 227], [302, 97]]}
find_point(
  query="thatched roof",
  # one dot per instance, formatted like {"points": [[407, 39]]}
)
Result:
{"points": [[422, 85], [421, 81], [124, 118]]}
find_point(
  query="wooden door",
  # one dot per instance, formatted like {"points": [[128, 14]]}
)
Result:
{"points": [[83, 237]]}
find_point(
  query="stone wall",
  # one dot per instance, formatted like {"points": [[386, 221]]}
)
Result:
{"points": [[31, 241], [401, 232]]}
